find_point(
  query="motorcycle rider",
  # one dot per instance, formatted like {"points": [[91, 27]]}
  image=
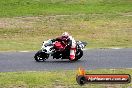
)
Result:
{"points": [[68, 40]]}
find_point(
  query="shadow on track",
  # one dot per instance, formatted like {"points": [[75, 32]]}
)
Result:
{"points": [[61, 61]]}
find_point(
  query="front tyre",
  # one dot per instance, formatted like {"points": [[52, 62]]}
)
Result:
{"points": [[40, 56], [79, 54]]}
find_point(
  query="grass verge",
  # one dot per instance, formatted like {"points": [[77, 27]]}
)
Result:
{"points": [[102, 23], [56, 79], [99, 30]]}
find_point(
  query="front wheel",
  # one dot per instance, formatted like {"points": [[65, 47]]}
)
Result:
{"points": [[41, 56], [79, 54]]}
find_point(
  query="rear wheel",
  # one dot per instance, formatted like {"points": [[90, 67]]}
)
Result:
{"points": [[41, 56]]}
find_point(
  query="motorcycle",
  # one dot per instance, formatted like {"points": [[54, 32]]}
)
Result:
{"points": [[58, 51]]}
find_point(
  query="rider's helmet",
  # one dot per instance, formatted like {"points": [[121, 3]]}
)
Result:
{"points": [[65, 36]]}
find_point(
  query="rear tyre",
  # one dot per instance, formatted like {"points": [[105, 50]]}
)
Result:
{"points": [[40, 56]]}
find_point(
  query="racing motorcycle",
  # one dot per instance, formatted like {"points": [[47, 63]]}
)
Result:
{"points": [[58, 51]]}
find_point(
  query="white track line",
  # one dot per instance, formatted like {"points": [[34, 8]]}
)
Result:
{"points": [[85, 49], [116, 48], [24, 51]]}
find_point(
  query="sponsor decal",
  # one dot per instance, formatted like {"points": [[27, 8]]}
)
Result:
{"points": [[83, 78]]}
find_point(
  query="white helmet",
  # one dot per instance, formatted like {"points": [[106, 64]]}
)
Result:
{"points": [[65, 34]]}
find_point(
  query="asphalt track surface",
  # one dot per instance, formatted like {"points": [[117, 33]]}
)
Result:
{"points": [[92, 59]]}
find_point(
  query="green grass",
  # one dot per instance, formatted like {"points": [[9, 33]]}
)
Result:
{"points": [[55, 79], [11, 8], [24, 24]]}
